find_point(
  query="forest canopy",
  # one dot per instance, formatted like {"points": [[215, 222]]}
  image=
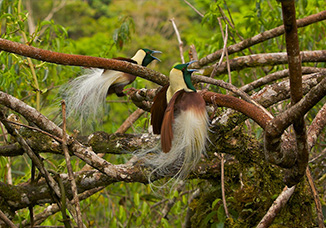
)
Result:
{"points": [[260, 70]]}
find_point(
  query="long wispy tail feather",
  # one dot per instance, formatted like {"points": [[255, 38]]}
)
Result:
{"points": [[190, 134], [85, 95]]}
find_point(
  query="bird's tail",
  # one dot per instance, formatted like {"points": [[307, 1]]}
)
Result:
{"points": [[190, 134], [85, 95]]}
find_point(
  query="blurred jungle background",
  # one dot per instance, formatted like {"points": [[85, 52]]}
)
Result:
{"points": [[111, 28]]}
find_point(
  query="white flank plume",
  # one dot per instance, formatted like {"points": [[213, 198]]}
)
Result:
{"points": [[85, 95], [190, 132]]}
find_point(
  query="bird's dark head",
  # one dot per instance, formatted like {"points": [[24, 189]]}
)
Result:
{"points": [[148, 56], [186, 74]]}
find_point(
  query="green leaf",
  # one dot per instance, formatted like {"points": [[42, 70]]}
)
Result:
{"points": [[209, 217], [221, 214], [165, 222], [215, 202], [136, 199]]}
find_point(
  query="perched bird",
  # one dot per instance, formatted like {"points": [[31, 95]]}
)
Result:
{"points": [[179, 115], [85, 95]]}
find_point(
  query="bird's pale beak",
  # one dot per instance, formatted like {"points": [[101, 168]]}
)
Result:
{"points": [[189, 63], [156, 52]]}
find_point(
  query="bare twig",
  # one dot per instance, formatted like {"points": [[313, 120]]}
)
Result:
{"points": [[54, 10], [278, 204], [170, 203], [53, 208], [192, 7], [31, 24], [316, 127], [225, 41], [314, 130], [190, 212], [36, 129], [193, 55], [130, 120], [4, 218], [223, 188], [179, 39], [70, 169], [320, 216], [320, 155]]}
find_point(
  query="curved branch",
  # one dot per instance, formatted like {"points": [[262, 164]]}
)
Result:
{"points": [[250, 110], [81, 60]]}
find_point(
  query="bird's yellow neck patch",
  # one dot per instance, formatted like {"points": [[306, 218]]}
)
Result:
{"points": [[139, 56], [176, 83]]}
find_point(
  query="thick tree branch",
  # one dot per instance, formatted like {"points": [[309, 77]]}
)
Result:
{"points": [[258, 39], [242, 106], [38, 193], [86, 154], [282, 155], [276, 76], [276, 127], [266, 59], [81, 60], [293, 52]]}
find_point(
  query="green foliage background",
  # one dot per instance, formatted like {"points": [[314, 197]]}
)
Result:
{"points": [[111, 28]]}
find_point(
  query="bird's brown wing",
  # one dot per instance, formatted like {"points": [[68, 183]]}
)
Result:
{"points": [[192, 100], [168, 120], [181, 101], [158, 108]]}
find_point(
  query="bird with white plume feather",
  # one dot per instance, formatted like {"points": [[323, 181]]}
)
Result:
{"points": [[179, 115], [85, 96]]}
